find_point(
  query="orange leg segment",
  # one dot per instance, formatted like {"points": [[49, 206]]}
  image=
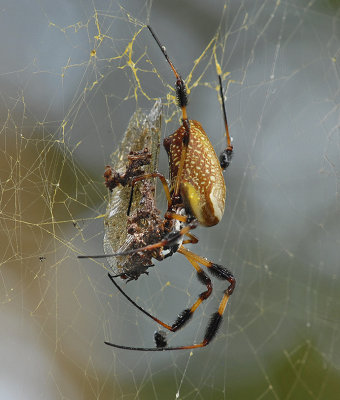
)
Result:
{"points": [[216, 318]]}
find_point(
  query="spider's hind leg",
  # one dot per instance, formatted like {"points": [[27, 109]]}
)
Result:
{"points": [[216, 318], [221, 273], [187, 313]]}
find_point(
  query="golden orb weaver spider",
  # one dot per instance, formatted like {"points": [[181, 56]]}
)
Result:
{"points": [[196, 196]]}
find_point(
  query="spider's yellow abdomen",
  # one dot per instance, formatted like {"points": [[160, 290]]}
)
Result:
{"points": [[202, 184]]}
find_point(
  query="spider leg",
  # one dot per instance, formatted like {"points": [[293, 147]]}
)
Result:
{"points": [[136, 305], [182, 102], [186, 314], [192, 239], [221, 273], [226, 155], [216, 318], [168, 241]]}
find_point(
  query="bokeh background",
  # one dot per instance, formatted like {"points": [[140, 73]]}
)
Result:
{"points": [[71, 76]]}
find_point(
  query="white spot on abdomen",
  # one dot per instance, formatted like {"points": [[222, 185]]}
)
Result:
{"points": [[217, 203]]}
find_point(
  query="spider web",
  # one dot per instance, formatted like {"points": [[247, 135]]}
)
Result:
{"points": [[71, 76]]}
